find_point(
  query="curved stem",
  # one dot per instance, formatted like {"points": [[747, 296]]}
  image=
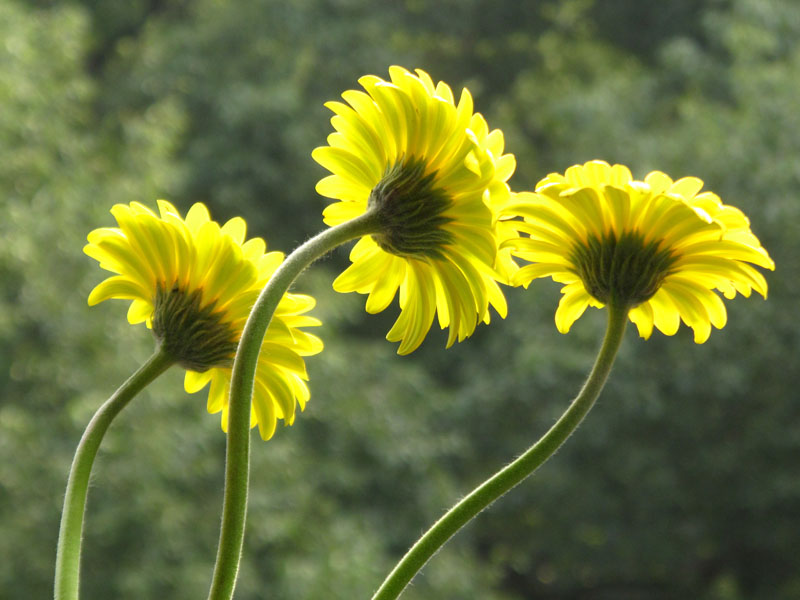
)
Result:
{"points": [[515, 472], [237, 459], [68, 554]]}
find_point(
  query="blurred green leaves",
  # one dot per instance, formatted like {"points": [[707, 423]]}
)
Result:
{"points": [[681, 484]]}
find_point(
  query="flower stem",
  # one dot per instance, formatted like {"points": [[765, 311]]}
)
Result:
{"points": [[68, 554], [512, 474], [237, 459]]}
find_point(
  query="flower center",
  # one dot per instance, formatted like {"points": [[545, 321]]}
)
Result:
{"points": [[196, 337], [410, 211], [625, 270]]}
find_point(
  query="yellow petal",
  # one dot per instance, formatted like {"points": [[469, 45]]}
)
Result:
{"points": [[642, 316], [140, 311], [118, 287], [194, 381], [573, 303]]}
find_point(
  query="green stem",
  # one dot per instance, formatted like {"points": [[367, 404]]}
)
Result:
{"points": [[509, 476], [237, 460], [68, 555]]}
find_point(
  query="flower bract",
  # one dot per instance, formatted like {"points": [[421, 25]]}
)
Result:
{"points": [[661, 248], [436, 176], [193, 282]]}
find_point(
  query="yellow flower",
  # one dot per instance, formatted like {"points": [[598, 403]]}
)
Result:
{"points": [[658, 247], [436, 176], [194, 283]]}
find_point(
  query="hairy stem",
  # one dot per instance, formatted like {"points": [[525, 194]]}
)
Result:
{"points": [[237, 460], [512, 474], [68, 554]]}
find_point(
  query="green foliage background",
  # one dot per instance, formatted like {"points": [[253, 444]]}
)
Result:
{"points": [[684, 481]]}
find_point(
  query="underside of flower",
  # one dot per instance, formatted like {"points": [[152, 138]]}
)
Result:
{"points": [[194, 283], [436, 175], [660, 248], [625, 270], [410, 211], [194, 335]]}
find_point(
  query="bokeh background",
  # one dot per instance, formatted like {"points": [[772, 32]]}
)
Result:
{"points": [[684, 483]]}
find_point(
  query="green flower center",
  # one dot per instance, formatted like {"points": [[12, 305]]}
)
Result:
{"points": [[409, 209], [625, 270], [196, 337]]}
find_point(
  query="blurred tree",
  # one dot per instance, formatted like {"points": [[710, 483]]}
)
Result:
{"points": [[57, 180], [682, 483]]}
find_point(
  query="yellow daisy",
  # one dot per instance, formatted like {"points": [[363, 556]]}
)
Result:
{"points": [[436, 175], [194, 283], [657, 247]]}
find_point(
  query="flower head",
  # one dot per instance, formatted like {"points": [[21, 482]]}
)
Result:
{"points": [[435, 176], [657, 247], [194, 283]]}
